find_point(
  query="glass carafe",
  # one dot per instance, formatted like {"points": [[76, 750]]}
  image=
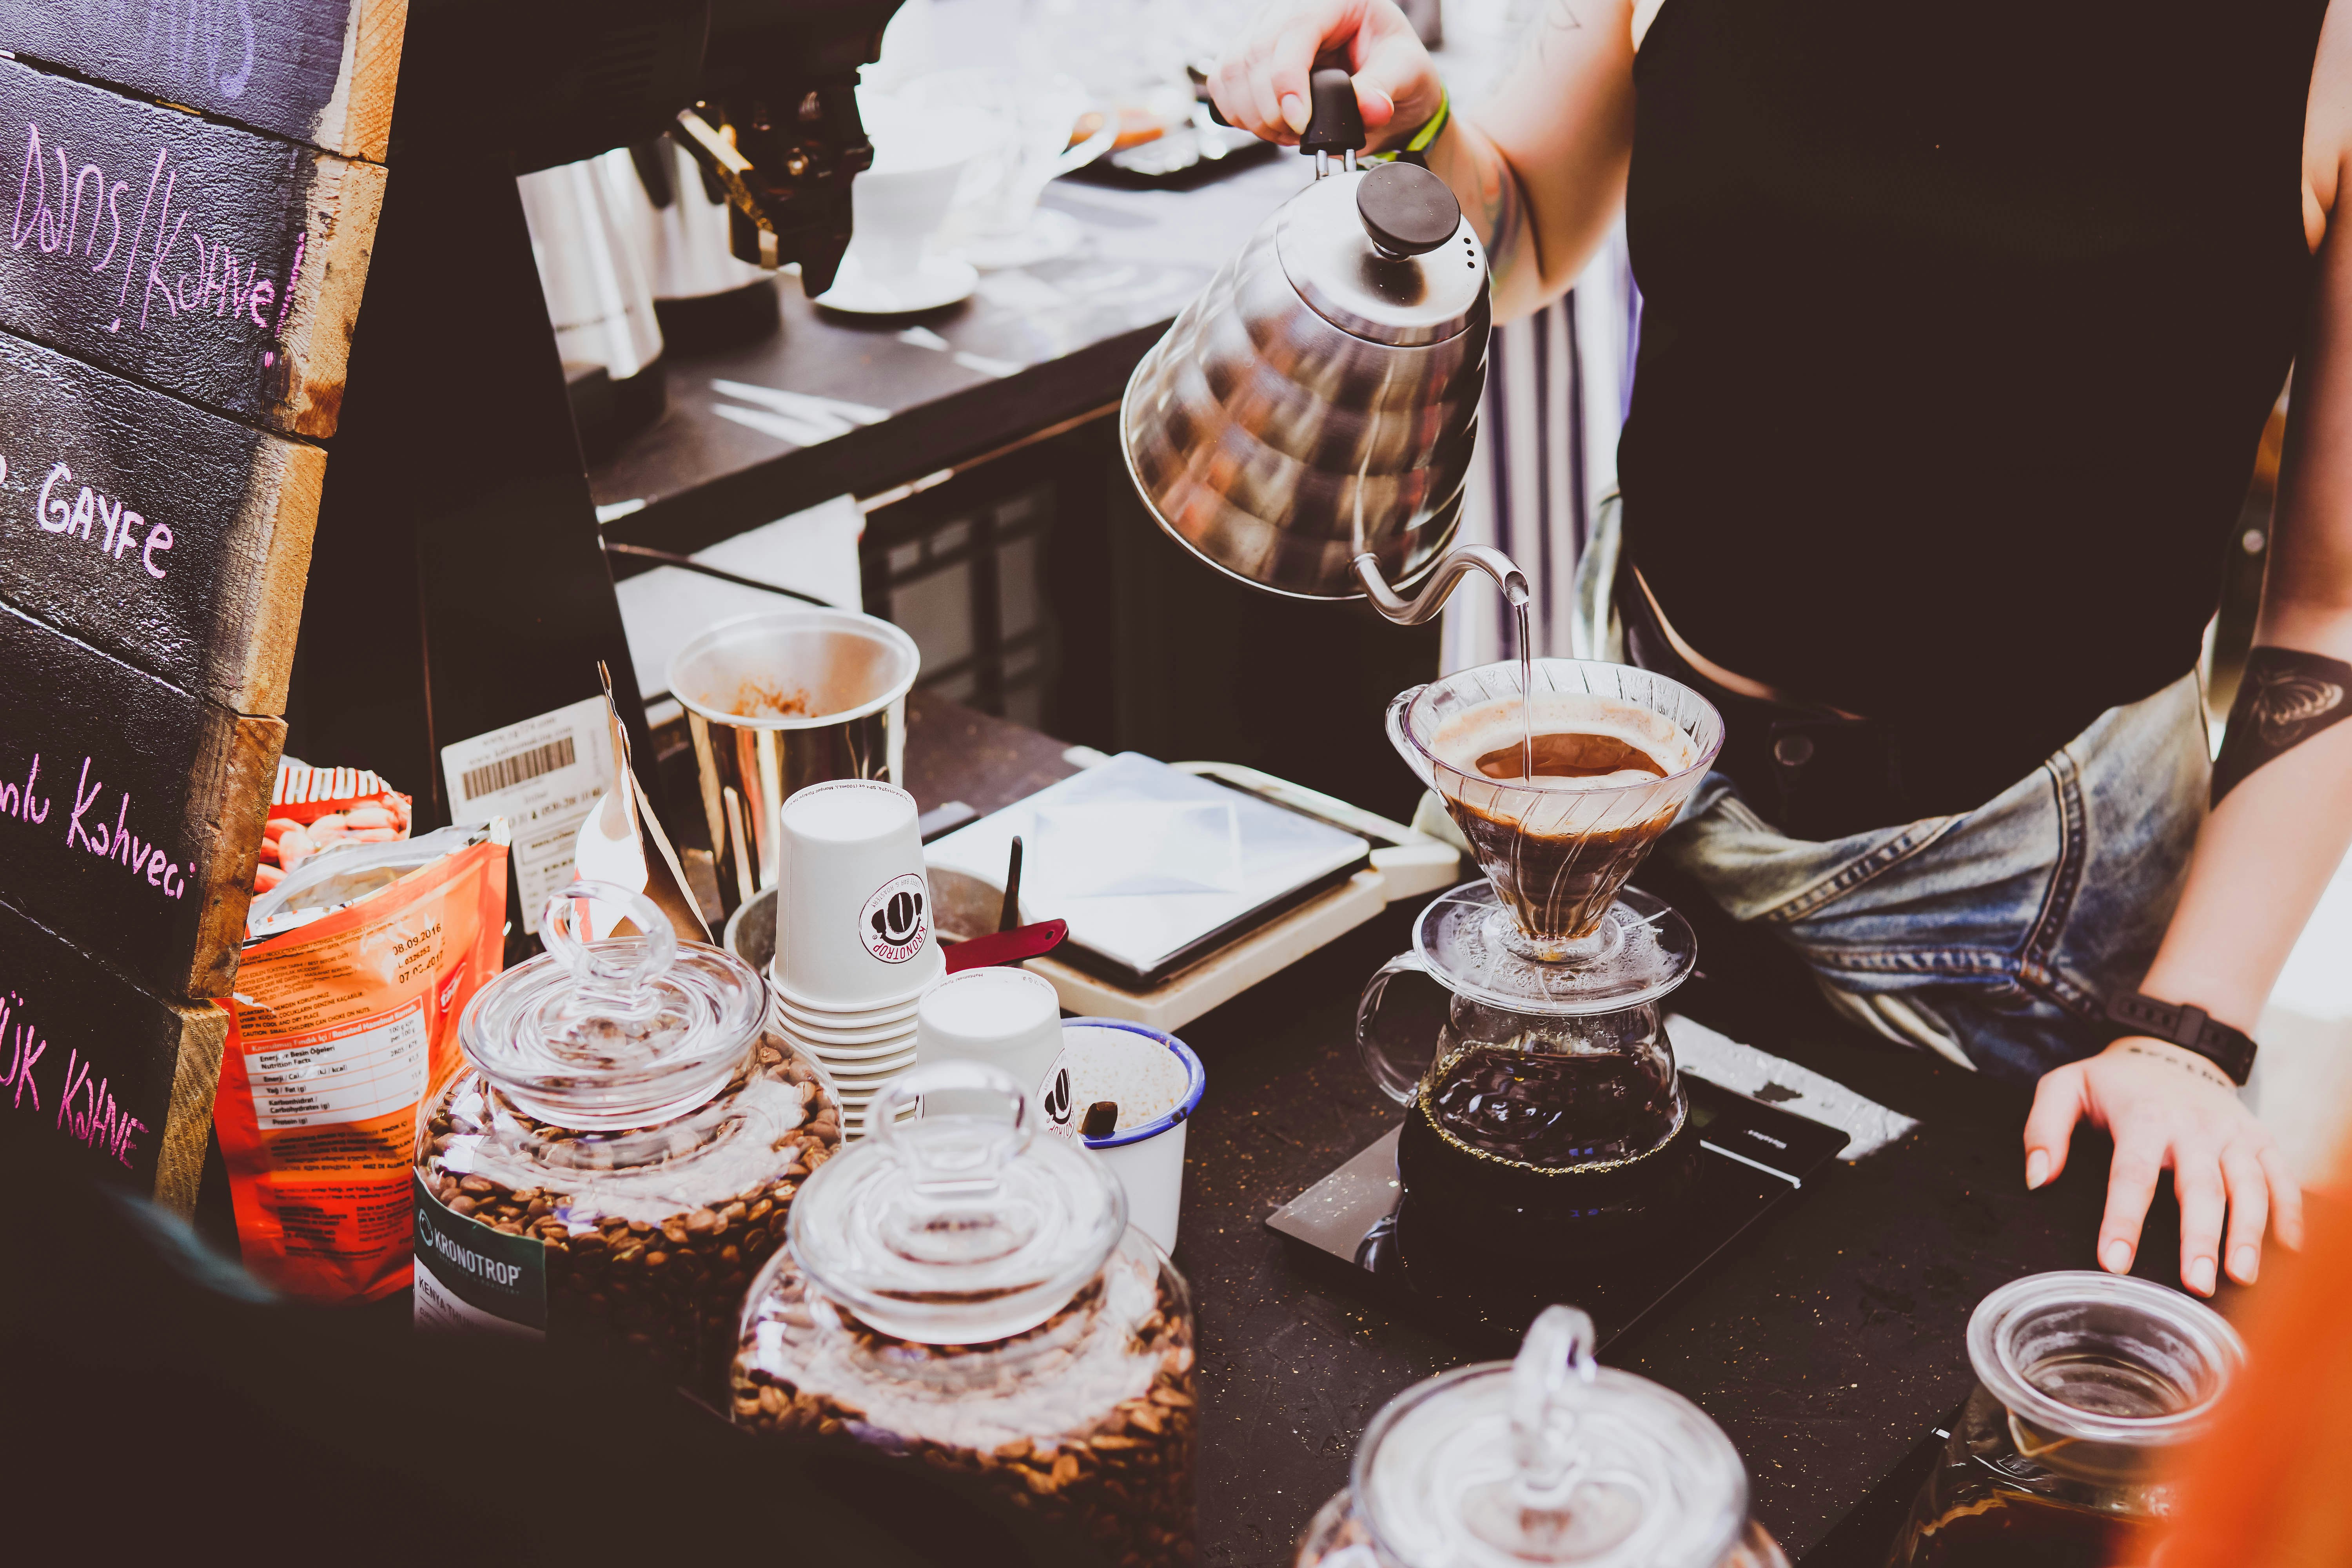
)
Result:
{"points": [[1535, 1125], [964, 1294], [2085, 1380], [1546, 1460], [618, 1154]]}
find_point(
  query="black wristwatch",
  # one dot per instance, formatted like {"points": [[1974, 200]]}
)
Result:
{"points": [[2232, 1050]]}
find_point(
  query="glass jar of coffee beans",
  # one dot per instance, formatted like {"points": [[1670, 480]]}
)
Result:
{"points": [[617, 1157], [1545, 1458], [960, 1293]]}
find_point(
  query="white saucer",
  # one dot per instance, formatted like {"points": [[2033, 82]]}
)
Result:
{"points": [[939, 280]]}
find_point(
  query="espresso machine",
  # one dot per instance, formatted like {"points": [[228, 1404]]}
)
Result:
{"points": [[458, 582], [1306, 427]]}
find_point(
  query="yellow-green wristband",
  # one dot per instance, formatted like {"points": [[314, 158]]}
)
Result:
{"points": [[1433, 125]]}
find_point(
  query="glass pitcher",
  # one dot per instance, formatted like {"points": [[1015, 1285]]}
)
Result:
{"points": [[1546, 1460], [1533, 1122], [2085, 1380]]}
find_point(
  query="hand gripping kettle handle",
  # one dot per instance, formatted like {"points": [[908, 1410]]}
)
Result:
{"points": [[1334, 123], [1397, 1078]]}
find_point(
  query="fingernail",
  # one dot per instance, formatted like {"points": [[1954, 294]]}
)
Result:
{"points": [[2117, 1257], [1294, 112], [2245, 1262], [2037, 1169], [2201, 1275]]}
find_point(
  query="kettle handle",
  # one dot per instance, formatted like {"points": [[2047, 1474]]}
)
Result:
{"points": [[1334, 123]]}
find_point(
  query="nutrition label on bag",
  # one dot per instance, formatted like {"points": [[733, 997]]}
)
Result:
{"points": [[349, 1072], [543, 775]]}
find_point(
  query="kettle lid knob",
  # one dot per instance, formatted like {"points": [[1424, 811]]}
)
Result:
{"points": [[1407, 210]]}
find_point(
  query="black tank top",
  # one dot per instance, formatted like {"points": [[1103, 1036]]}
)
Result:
{"points": [[1960, 325]]}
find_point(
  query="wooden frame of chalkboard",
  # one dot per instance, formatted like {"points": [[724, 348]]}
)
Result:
{"points": [[196, 192]]}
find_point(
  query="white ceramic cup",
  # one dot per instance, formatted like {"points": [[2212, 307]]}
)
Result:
{"points": [[1157, 1082], [854, 908], [1007, 1017]]}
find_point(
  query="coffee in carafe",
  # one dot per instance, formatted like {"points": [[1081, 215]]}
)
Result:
{"points": [[1528, 1158]]}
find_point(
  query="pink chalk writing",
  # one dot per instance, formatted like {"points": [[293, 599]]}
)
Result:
{"points": [[21, 802], [86, 1111], [206, 45], [63, 211], [115, 841], [122, 528], [88, 1114], [25, 1049]]}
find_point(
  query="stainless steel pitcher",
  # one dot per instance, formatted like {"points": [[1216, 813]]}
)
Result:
{"points": [[1308, 422]]}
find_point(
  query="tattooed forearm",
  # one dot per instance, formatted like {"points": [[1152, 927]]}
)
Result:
{"points": [[1503, 206], [2285, 698]]}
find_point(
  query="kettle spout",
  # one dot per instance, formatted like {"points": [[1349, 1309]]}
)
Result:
{"points": [[1458, 564]]}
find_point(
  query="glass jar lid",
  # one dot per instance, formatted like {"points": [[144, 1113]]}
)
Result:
{"points": [[1641, 951], [956, 1229], [1548, 1458], [623, 1032], [2095, 1369]]}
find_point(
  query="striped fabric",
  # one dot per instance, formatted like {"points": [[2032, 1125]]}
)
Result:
{"points": [[1557, 387]]}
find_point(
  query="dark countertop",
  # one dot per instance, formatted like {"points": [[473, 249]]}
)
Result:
{"points": [[1828, 1343], [906, 396]]}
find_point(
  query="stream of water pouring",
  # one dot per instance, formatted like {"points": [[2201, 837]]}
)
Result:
{"points": [[1527, 693]]}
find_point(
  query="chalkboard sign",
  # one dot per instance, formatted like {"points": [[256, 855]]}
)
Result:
{"points": [[130, 812], [172, 537], [320, 71], [192, 208], [207, 259], [87, 1061]]}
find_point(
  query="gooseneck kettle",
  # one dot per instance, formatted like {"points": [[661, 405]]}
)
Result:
{"points": [[1308, 422]]}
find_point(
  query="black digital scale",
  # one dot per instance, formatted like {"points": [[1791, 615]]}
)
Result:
{"points": [[1756, 1157]]}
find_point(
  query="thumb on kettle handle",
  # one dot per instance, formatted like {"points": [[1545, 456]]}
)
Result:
{"points": [[1335, 124]]}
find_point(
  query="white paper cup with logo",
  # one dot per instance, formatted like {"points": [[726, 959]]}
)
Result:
{"points": [[1007, 1017], [854, 909], [1157, 1083]]}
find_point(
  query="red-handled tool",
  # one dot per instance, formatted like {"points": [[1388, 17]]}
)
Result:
{"points": [[1006, 946]]}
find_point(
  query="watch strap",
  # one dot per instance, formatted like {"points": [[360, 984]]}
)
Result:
{"points": [[2188, 1026]]}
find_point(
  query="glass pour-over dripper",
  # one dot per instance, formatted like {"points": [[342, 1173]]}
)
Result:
{"points": [[1558, 847]]}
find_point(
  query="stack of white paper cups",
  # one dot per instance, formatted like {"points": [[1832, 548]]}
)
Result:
{"points": [[855, 948]]}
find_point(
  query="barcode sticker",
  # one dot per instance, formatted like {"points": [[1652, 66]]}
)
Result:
{"points": [[543, 775], [523, 766]]}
